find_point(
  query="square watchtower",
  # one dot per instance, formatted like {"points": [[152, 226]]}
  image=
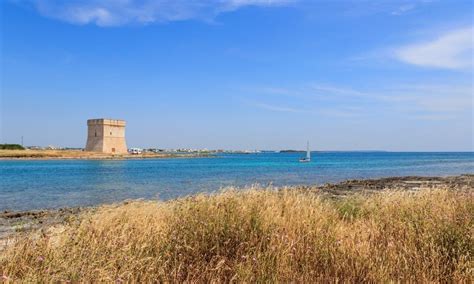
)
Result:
{"points": [[106, 136]]}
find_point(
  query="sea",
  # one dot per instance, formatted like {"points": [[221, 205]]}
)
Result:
{"points": [[44, 184]]}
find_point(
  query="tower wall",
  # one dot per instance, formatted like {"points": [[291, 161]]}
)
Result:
{"points": [[106, 136]]}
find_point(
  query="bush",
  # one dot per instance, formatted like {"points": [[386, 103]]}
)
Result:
{"points": [[11, 147]]}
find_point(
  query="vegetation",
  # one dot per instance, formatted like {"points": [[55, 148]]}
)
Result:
{"points": [[259, 235], [11, 147]]}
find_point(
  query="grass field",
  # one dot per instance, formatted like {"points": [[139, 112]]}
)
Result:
{"points": [[259, 235]]}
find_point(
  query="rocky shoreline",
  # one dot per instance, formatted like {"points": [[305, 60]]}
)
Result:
{"points": [[460, 182], [13, 223]]}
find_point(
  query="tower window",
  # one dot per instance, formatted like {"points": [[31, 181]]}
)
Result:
{"points": [[95, 134], [110, 133]]}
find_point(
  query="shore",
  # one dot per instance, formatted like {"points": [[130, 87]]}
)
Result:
{"points": [[14, 223], [401, 229], [85, 155]]}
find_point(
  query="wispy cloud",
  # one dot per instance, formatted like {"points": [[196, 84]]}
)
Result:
{"points": [[339, 112], [336, 91], [428, 98], [373, 7], [428, 101], [452, 50], [120, 12], [403, 9], [277, 108]]}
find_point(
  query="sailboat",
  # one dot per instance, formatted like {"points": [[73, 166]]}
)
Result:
{"points": [[308, 155]]}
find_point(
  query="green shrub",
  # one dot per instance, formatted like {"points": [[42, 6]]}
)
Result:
{"points": [[11, 147]]}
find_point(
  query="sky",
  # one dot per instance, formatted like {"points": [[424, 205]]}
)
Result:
{"points": [[240, 74]]}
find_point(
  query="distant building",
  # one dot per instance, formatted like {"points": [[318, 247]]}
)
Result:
{"points": [[34, 148], [135, 151], [106, 136]]}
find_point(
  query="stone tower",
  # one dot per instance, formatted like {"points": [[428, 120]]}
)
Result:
{"points": [[106, 136]]}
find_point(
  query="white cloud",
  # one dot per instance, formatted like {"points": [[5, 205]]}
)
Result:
{"points": [[453, 50], [119, 12]]}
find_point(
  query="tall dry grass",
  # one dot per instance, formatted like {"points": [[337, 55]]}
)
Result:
{"points": [[260, 235]]}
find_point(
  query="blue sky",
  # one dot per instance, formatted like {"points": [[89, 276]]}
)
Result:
{"points": [[240, 74]]}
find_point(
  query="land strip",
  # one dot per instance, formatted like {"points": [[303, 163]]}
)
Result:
{"points": [[85, 155]]}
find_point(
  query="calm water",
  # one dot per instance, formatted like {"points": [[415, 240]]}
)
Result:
{"points": [[52, 184]]}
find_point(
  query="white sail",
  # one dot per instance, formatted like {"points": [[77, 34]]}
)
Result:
{"points": [[308, 155]]}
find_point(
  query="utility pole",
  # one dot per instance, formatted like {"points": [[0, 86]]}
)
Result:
{"points": [[22, 140]]}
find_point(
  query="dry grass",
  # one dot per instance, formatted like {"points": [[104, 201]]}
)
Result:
{"points": [[260, 235], [49, 154], [78, 154]]}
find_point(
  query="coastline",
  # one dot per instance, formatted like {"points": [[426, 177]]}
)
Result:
{"points": [[26, 155], [14, 223], [251, 234]]}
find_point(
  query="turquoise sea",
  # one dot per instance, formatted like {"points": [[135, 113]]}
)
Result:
{"points": [[36, 184]]}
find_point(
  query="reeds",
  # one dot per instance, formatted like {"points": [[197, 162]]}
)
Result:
{"points": [[262, 235]]}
